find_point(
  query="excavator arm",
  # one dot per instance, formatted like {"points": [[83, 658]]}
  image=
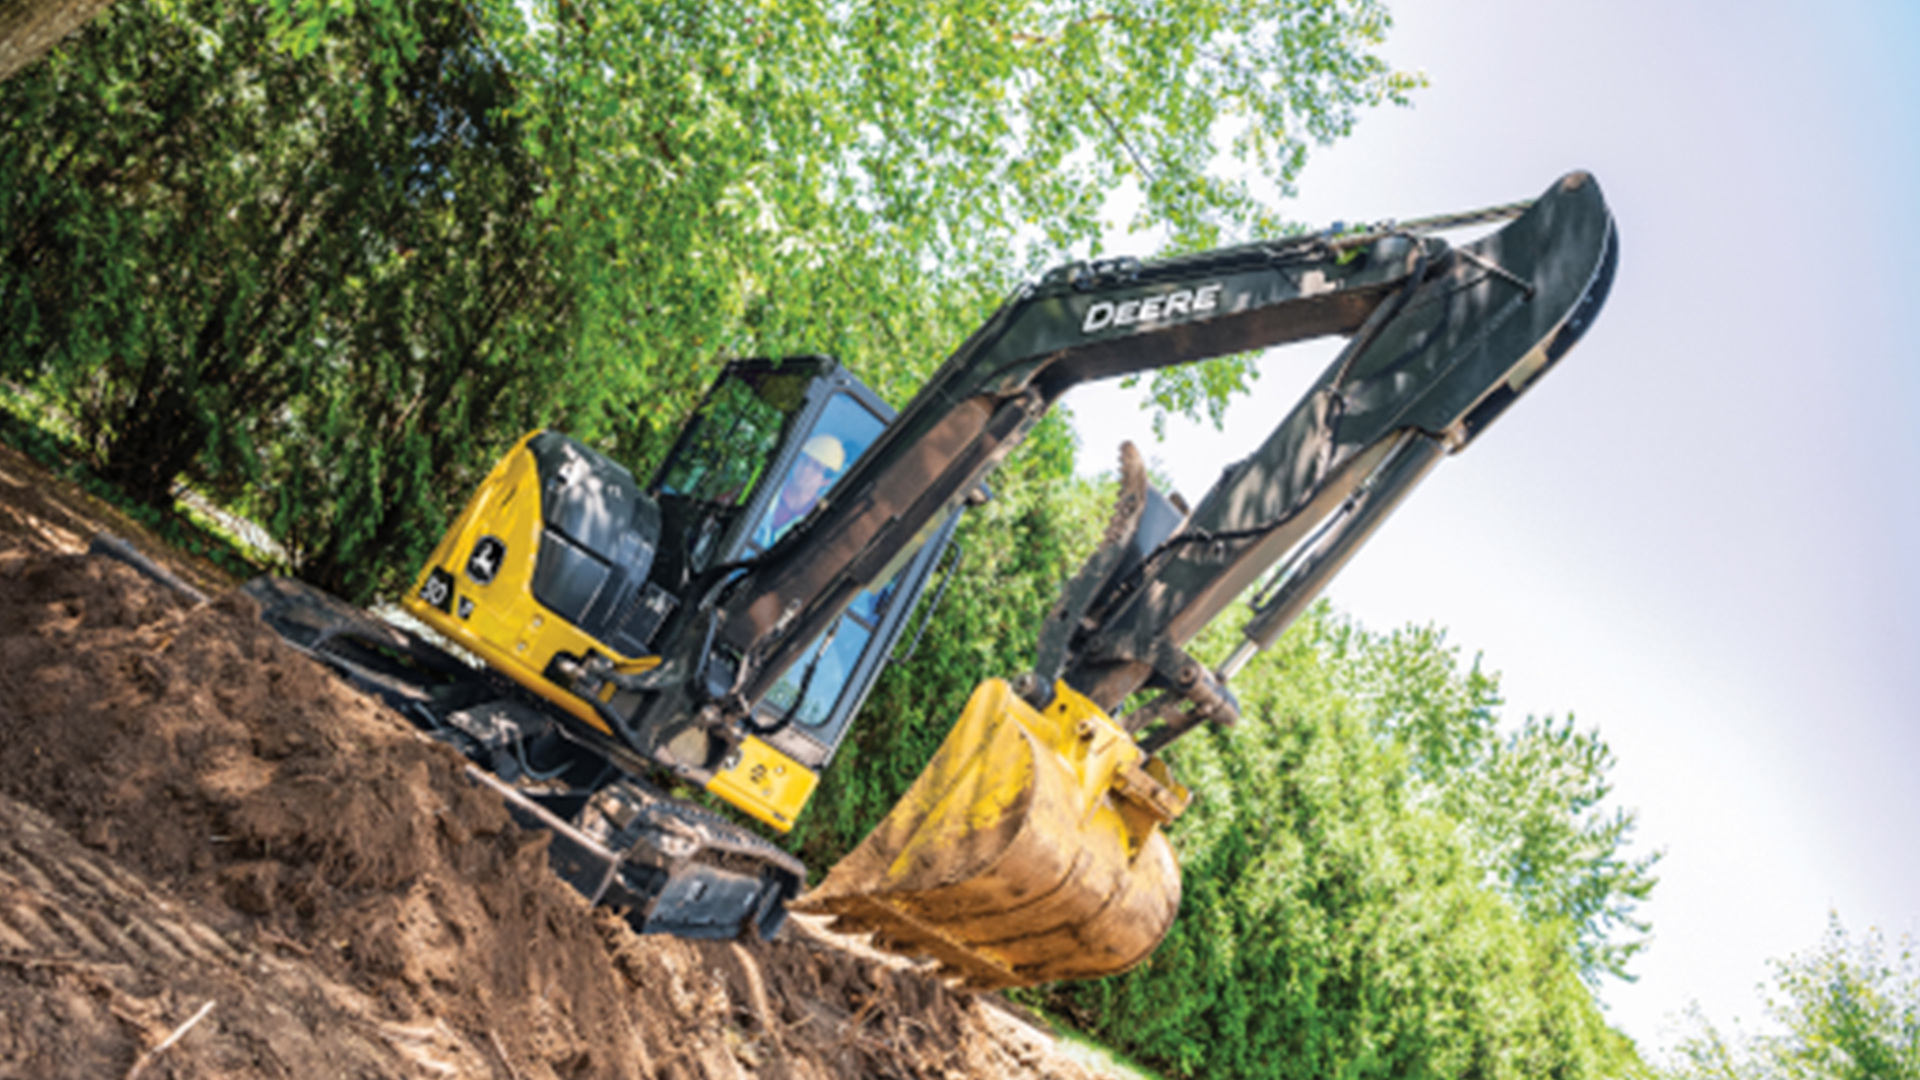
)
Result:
{"points": [[1441, 360], [1030, 849], [1443, 340]]}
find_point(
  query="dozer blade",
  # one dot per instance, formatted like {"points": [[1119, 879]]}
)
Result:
{"points": [[1028, 850]]}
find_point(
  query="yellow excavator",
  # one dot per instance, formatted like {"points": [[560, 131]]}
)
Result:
{"points": [[595, 641]]}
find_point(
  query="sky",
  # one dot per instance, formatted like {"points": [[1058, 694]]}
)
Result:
{"points": [[1699, 533]]}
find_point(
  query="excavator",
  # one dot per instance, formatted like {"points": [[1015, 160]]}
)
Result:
{"points": [[600, 649]]}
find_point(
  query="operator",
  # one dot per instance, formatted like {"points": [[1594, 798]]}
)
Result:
{"points": [[819, 464]]}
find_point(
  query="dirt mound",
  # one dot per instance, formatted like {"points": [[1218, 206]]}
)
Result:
{"points": [[201, 752], [194, 813]]}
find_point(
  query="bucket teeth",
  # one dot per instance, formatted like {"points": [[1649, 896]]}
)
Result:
{"points": [[901, 934]]}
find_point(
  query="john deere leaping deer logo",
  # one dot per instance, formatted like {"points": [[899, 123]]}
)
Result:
{"points": [[488, 553]]}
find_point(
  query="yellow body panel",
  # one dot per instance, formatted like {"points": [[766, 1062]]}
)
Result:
{"points": [[1028, 850], [514, 633], [519, 637], [765, 783]]}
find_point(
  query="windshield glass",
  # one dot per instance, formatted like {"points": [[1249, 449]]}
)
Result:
{"points": [[845, 430], [734, 435]]}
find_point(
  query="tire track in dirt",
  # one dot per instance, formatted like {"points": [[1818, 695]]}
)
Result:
{"points": [[97, 967]]}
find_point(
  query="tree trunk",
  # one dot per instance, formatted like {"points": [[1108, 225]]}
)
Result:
{"points": [[28, 28], [151, 449]]}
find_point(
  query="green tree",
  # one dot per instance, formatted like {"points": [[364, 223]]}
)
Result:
{"points": [[1339, 920], [248, 255], [227, 256], [450, 340], [1848, 1009], [1532, 798], [317, 298], [866, 179]]}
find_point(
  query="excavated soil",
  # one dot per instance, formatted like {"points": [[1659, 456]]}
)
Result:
{"points": [[216, 860]]}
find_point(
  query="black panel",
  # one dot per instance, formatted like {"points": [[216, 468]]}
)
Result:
{"points": [[597, 546], [634, 628], [567, 577]]}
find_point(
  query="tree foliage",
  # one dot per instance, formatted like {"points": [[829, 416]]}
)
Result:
{"points": [[1848, 1009], [827, 175], [326, 259], [317, 300], [1530, 798], [1348, 910]]}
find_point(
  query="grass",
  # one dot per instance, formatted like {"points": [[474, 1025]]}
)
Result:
{"points": [[26, 425], [1099, 1059]]}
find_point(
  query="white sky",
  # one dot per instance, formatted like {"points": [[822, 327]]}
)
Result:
{"points": [[1699, 533]]}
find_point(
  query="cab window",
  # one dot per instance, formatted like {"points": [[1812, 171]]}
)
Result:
{"points": [[734, 435], [845, 429]]}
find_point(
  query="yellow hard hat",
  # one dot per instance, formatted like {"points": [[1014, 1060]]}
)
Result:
{"points": [[826, 450]]}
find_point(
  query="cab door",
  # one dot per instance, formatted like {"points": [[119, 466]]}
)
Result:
{"points": [[769, 442]]}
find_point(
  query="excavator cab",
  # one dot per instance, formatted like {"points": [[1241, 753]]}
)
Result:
{"points": [[562, 560], [765, 447]]}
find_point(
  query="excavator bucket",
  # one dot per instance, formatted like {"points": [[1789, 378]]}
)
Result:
{"points": [[1028, 850]]}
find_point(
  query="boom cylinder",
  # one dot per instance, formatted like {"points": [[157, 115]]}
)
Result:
{"points": [[1299, 580]]}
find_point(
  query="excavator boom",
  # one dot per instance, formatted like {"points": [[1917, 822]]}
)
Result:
{"points": [[1031, 847]]}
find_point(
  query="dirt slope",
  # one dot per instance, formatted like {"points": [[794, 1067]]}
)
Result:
{"points": [[193, 813]]}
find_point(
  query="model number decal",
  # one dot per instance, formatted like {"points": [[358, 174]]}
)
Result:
{"points": [[438, 589], [1104, 313]]}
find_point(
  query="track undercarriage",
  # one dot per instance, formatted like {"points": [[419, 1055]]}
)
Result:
{"points": [[670, 865]]}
